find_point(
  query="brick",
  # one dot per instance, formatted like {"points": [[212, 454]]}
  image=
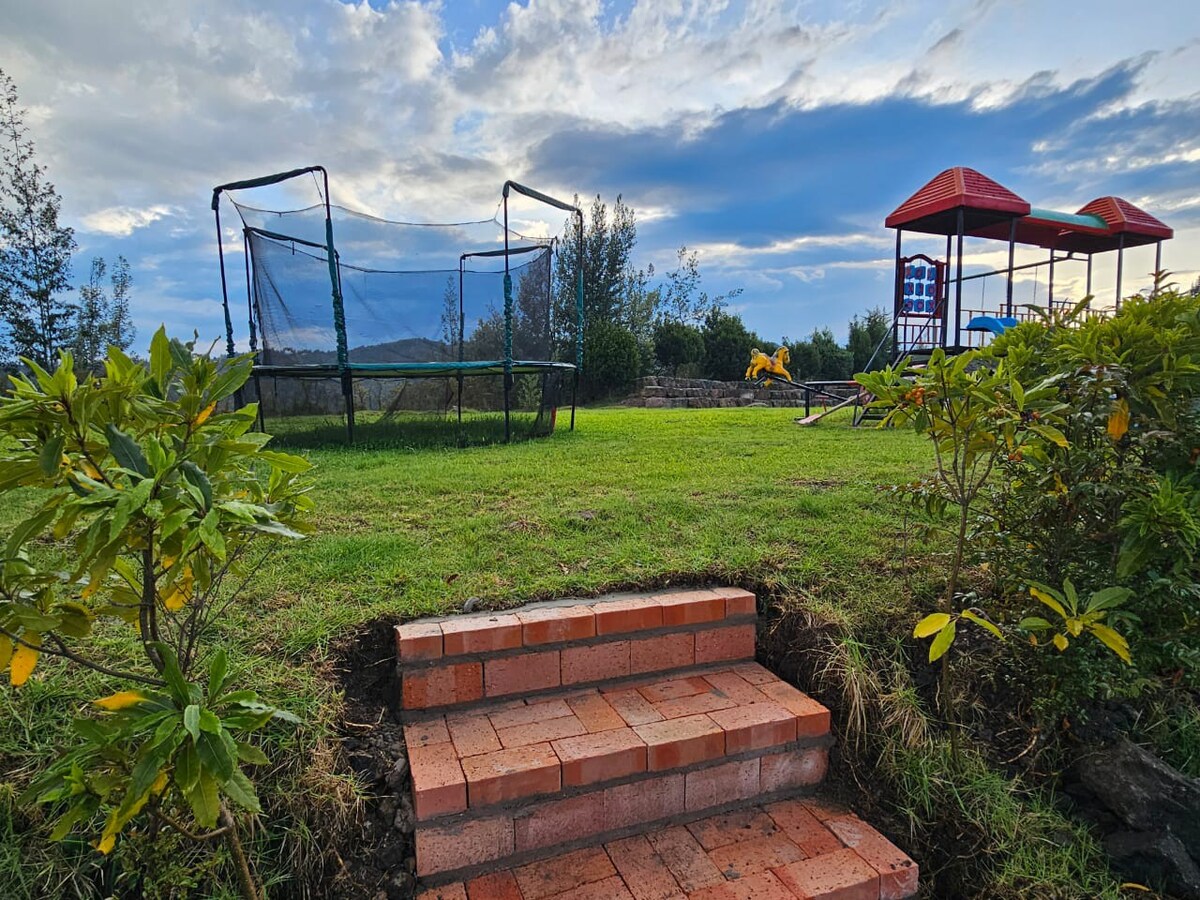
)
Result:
{"points": [[439, 787], [554, 821], [460, 844], [683, 855], [511, 774], [605, 756], [812, 719], [721, 784], [518, 674], [824, 810], [418, 641], [737, 601], [522, 713], [709, 701], [556, 624], [553, 876], [643, 801], [442, 685], [681, 742], [595, 713], [480, 634], [645, 874], [633, 707], [731, 827], [763, 886], [472, 734], [898, 875], [759, 855], [691, 607], [422, 734], [797, 769], [608, 889], [754, 673], [497, 886], [541, 732], [598, 662], [803, 827], [673, 688], [454, 891], [755, 727], [841, 875], [735, 687], [633, 614], [721, 644], [666, 651]]}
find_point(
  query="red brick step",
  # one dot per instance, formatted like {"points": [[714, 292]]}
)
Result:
{"points": [[795, 849], [539, 648]]}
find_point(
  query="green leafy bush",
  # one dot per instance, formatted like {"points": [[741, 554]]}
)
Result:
{"points": [[157, 497], [612, 361]]}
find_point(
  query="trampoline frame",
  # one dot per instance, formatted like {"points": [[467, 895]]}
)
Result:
{"points": [[347, 371]]}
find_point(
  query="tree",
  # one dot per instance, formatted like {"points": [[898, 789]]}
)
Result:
{"points": [[680, 299], [727, 345], [677, 344], [866, 334], [163, 500], [35, 251], [611, 362], [102, 320], [834, 363]]}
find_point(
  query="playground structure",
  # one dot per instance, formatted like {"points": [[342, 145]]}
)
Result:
{"points": [[401, 328], [775, 364], [961, 203]]}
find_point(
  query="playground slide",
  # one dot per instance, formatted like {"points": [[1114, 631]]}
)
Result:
{"points": [[817, 417]]}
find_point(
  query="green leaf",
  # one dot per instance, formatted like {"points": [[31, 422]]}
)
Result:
{"points": [[284, 461], [160, 356], [239, 789], [1035, 623], [178, 685], [196, 477], [191, 720], [249, 753], [931, 624], [218, 672], [209, 722], [983, 623], [68, 821], [1052, 434], [187, 768], [204, 801], [215, 756], [51, 456], [126, 451], [27, 529], [1108, 598], [942, 642]]}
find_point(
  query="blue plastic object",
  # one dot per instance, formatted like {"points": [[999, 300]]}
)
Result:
{"points": [[994, 324]]}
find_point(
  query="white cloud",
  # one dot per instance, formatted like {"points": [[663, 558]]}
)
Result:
{"points": [[122, 221]]}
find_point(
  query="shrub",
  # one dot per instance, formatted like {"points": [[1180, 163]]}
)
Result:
{"points": [[612, 361], [157, 499], [727, 346], [676, 345]]}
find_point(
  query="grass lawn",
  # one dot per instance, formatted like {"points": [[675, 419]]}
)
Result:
{"points": [[633, 497]]}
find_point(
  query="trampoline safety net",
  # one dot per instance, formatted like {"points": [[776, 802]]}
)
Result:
{"points": [[424, 313]]}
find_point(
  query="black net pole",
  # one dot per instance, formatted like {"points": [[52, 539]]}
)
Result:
{"points": [[1120, 265], [578, 317], [1012, 248], [945, 312], [508, 316], [462, 329], [224, 284]]}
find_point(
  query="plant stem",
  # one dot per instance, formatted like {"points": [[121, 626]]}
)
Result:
{"points": [[245, 878]]}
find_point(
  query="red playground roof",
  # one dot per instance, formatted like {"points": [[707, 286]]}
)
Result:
{"points": [[989, 209]]}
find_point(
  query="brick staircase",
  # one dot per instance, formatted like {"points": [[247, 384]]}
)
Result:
{"points": [[624, 747]]}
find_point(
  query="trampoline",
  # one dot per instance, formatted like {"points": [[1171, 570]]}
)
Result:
{"points": [[382, 320]]}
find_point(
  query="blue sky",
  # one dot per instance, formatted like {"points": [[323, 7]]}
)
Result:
{"points": [[772, 137]]}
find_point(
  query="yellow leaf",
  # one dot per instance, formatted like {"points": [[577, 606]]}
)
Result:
{"points": [[1048, 600], [931, 624], [1118, 420], [1113, 641], [160, 783], [1033, 641], [120, 700], [1061, 642], [89, 470], [89, 589], [1074, 627], [107, 843], [6, 651], [175, 600], [205, 413], [24, 659], [168, 561]]}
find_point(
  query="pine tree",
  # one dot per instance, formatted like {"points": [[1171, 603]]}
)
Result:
{"points": [[102, 319], [35, 251]]}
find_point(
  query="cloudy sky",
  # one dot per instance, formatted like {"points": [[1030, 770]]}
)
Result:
{"points": [[773, 137]]}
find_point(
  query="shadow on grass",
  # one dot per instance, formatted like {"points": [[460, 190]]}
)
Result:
{"points": [[409, 431]]}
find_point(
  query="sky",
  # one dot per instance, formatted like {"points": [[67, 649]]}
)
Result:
{"points": [[771, 137]]}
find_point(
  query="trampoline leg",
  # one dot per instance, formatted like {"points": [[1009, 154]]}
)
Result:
{"points": [[574, 392], [348, 393], [460, 390], [507, 406]]}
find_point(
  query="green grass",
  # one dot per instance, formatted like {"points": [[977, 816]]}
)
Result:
{"points": [[633, 497]]}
